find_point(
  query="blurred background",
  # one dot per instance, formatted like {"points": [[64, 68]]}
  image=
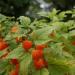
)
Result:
{"points": [[31, 7]]}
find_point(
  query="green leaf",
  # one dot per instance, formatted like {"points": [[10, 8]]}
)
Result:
{"points": [[56, 70], [25, 64], [72, 33], [25, 21], [61, 15], [45, 14], [43, 71], [3, 65], [52, 15], [16, 53], [2, 18], [41, 36], [2, 52]]}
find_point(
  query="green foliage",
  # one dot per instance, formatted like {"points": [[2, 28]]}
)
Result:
{"points": [[42, 72], [56, 34], [25, 64]]}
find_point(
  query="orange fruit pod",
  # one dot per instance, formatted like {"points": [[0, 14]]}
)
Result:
{"points": [[40, 47], [3, 45], [27, 45], [14, 29], [39, 64], [14, 61], [36, 54]]}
